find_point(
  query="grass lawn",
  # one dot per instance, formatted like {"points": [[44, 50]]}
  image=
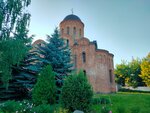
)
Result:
{"points": [[125, 103], [117, 103]]}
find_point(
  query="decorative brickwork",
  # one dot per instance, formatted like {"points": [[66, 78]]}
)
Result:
{"points": [[96, 63]]}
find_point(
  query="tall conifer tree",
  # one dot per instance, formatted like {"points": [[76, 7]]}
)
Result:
{"points": [[58, 55]]}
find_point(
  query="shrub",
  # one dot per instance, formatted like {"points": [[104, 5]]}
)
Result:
{"points": [[105, 101], [96, 101], [100, 101], [25, 107], [45, 89], [129, 90], [60, 109], [10, 106], [76, 93], [16, 106], [105, 109], [43, 108]]}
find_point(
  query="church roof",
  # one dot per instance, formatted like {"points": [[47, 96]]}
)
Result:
{"points": [[72, 17], [38, 42]]}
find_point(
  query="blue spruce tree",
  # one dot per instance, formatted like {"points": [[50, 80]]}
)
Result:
{"points": [[56, 53]]}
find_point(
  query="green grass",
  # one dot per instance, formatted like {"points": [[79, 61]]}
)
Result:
{"points": [[125, 102], [119, 103]]}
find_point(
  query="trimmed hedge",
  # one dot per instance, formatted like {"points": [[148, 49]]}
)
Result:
{"points": [[136, 91]]}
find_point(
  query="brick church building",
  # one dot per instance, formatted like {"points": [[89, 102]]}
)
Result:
{"points": [[97, 64]]}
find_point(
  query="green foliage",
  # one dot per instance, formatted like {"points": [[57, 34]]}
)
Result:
{"points": [[58, 55], [145, 67], [135, 110], [16, 106], [121, 109], [105, 109], [128, 73], [132, 91], [44, 108], [96, 101], [14, 21], [10, 107], [77, 93], [26, 106], [135, 70], [24, 77], [121, 73], [10, 57], [44, 90], [135, 101], [100, 101]]}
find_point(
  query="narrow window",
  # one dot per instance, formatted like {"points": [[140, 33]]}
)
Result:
{"points": [[84, 72], [75, 61], [74, 31], [80, 32], [67, 42], [62, 31], [110, 75], [83, 57], [68, 30]]}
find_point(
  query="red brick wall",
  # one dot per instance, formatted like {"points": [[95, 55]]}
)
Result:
{"points": [[98, 62]]}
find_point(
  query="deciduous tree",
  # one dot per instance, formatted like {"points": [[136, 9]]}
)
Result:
{"points": [[14, 21], [145, 70]]}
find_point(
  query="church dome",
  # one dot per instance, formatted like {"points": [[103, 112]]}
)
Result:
{"points": [[72, 17]]}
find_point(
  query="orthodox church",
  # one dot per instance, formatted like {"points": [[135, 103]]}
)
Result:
{"points": [[97, 64]]}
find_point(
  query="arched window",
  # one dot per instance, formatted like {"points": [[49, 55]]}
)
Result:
{"points": [[80, 32], [74, 31], [67, 42], [110, 75], [84, 71], [83, 57], [68, 30], [62, 31]]}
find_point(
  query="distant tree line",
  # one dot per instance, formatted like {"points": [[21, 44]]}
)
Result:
{"points": [[134, 73]]}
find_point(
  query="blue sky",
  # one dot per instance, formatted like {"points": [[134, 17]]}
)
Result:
{"points": [[120, 26]]}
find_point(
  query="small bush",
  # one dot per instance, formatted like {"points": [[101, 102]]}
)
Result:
{"points": [[77, 93], [59, 109], [96, 101], [105, 109], [10, 106], [43, 108], [44, 90], [105, 101], [16, 106], [100, 101]]}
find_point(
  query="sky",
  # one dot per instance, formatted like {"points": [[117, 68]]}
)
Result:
{"points": [[120, 26]]}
